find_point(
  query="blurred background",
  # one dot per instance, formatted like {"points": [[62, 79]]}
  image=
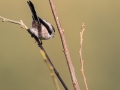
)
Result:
{"points": [[22, 66]]}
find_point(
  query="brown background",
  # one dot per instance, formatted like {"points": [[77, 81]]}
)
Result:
{"points": [[22, 66]]}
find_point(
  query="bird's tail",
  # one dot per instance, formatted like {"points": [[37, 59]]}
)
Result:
{"points": [[34, 14]]}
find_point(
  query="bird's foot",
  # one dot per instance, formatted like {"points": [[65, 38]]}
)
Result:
{"points": [[41, 42], [32, 35]]}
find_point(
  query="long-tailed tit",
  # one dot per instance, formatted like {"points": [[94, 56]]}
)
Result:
{"points": [[40, 28]]}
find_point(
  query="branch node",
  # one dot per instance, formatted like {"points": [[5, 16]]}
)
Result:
{"points": [[3, 20], [63, 31], [63, 50], [83, 25], [23, 27], [80, 45], [74, 83], [51, 74], [83, 61]]}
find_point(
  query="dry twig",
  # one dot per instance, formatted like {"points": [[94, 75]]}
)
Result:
{"points": [[65, 47], [51, 70], [80, 52], [15, 22]]}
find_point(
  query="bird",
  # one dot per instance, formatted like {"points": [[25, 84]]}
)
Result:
{"points": [[42, 29]]}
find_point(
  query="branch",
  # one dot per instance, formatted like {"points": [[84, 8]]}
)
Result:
{"points": [[51, 70], [65, 47], [39, 45], [80, 52], [15, 22]]}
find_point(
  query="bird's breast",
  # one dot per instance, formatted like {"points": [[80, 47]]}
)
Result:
{"points": [[43, 33]]}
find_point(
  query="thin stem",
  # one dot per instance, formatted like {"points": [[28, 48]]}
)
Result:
{"points": [[65, 47], [51, 70], [15, 22], [81, 60]]}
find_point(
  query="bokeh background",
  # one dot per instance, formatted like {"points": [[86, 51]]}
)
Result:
{"points": [[22, 66]]}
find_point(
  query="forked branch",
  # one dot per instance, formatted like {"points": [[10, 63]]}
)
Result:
{"points": [[39, 44]]}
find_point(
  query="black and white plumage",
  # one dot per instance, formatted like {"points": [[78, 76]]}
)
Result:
{"points": [[40, 28]]}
